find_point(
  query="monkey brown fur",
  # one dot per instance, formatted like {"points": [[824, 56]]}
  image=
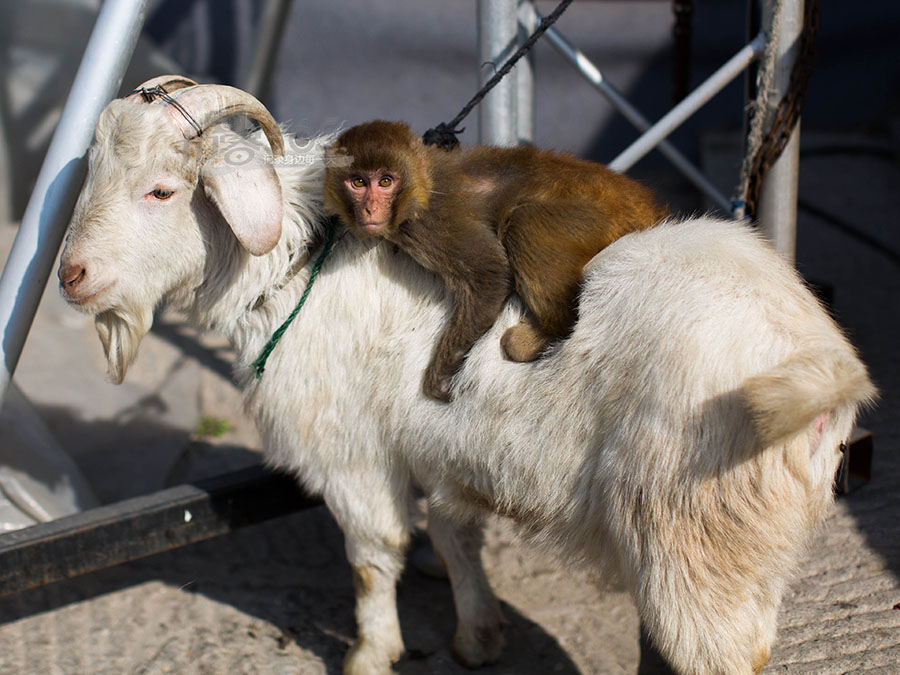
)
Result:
{"points": [[486, 220]]}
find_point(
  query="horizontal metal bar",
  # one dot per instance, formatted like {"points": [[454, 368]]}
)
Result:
{"points": [[693, 102], [134, 528], [593, 75]]}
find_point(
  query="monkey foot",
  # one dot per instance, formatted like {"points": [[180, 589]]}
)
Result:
{"points": [[523, 342]]}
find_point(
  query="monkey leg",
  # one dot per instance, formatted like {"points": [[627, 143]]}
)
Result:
{"points": [[547, 254], [476, 308], [477, 272]]}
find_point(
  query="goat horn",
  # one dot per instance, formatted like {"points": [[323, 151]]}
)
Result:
{"points": [[209, 104], [168, 82]]}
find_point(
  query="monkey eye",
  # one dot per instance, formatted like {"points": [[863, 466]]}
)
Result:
{"points": [[385, 181], [162, 194], [357, 182]]}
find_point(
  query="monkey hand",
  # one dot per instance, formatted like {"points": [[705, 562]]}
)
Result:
{"points": [[436, 383]]}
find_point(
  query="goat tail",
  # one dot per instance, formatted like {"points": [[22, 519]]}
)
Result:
{"points": [[786, 399]]}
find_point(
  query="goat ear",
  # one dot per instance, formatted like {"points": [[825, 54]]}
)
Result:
{"points": [[243, 185]]}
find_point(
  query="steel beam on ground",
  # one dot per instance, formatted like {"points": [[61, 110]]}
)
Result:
{"points": [[135, 528]]}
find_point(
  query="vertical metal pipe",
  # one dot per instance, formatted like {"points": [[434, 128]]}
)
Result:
{"points": [[5, 174], [6, 183], [497, 41], [44, 223], [258, 77], [524, 72], [777, 209]]}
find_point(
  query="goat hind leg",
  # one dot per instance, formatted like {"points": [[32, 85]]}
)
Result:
{"points": [[479, 632]]}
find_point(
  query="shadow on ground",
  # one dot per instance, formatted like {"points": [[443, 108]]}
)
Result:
{"points": [[292, 574]]}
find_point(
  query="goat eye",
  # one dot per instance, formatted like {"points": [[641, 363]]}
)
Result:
{"points": [[357, 182], [161, 193], [385, 181]]}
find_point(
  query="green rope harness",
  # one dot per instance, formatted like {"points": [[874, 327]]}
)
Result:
{"points": [[259, 366]]}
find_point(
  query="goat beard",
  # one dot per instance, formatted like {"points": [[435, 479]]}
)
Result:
{"points": [[121, 334]]}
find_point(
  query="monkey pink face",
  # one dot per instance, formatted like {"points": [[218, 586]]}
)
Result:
{"points": [[372, 194]]}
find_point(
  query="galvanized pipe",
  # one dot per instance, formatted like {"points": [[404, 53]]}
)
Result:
{"points": [[777, 208], [258, 77], [497, 41], [693, 102], [524, 72], [6, 183], [593, 75], [44, 223]]}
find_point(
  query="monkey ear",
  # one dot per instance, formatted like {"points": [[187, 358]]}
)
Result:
{"points": [[243, 185]]}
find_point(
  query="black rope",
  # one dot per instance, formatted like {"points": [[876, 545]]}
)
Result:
{"points": [[158, 92], [444, 134]]}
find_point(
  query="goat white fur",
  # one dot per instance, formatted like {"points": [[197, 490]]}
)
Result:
{"points": [[686, 434]]}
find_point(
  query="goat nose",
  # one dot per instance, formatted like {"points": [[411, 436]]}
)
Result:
{"points": [[71, 275]]}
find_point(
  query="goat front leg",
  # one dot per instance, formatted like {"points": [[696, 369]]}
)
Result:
{"points": [[371, 511], [479, 631]]}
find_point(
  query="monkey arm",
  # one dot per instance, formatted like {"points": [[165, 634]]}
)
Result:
{"points": [[472, 263]]}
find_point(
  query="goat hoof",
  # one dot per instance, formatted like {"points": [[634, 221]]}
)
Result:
{"points": [[365, 658], [479, 645]]}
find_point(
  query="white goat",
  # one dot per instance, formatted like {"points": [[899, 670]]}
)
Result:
{"points": [[686, 434]]}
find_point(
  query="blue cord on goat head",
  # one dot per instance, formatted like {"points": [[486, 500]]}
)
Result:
{"points": [[259, 366]]}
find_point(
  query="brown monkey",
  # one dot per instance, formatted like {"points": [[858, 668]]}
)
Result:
{"points": [[486, 220]]}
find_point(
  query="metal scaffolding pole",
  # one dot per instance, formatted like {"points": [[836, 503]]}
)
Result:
{"points": [[777, 209], [693, 102], [258, 76], [46, 217], [593, 75], [524, 71], [498, 28]]}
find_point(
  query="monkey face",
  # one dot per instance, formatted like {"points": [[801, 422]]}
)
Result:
{"points": [[372, 195], [377, 178]]}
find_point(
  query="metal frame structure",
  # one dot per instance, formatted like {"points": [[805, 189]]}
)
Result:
{"points": [[499, 114]]}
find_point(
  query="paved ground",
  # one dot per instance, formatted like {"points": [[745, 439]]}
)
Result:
{"points": [[277, 598]]}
